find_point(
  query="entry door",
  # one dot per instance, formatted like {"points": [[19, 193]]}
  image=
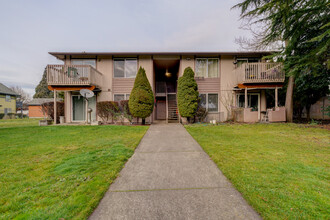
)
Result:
{"points": [[161, 110], [78, 108]]}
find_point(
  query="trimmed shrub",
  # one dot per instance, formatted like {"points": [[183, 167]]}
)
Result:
{"points": [[187, 94], [48, 109], [141, 100], [201, 114], [107, 110]]}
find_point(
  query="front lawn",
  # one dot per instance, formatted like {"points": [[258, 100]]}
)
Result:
{"points": [[282, 170], [59, 172], [5, 123]]}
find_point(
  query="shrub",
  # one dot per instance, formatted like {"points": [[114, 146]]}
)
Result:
{"points": [[141, 100], [124, 108], [201, 114], [48, 109], [187, 94], [107, 110]]}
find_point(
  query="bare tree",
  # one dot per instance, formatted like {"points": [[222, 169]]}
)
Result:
{"points": [[23, 96]]}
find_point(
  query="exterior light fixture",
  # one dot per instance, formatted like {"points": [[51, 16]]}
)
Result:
{"points": [[167, 74]]}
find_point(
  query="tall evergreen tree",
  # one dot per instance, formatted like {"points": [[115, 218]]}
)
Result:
{"points": [[42, 90], [187, 94], [141, 99]]}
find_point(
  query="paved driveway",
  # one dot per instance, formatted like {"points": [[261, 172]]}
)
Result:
{"points": [[171, 177]]}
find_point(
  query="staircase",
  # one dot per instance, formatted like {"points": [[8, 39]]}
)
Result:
{"points": [[172, 108]]}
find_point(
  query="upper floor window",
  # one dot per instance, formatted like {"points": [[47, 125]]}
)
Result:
{"points": [[8, 98], [125, 68], [241, 60], [91, 62], [207, 67]]}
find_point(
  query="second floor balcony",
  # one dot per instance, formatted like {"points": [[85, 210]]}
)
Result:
{"points": [[260, 73], [73, 75]]}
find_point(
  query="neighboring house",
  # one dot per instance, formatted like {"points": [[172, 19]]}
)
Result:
{"points": [[7, 100], [228, 82], [35, 110], [316, 111]]}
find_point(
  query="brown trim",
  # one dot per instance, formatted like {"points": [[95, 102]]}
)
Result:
{"points": [[242, 86], [59, 88]]}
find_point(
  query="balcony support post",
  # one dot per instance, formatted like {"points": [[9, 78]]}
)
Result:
{"points": [[276, 97], [246, 99], [55, 107]]}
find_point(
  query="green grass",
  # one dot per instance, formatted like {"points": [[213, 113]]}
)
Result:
{"points": [[282, 170], [19, 122], [58, 172]]}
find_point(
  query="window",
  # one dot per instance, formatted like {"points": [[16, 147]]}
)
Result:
{"points": [[125, 68], [91, 62], [8, 98], [209, 101], [207, 67], [120, 97], [241, 60], [253, 101]]}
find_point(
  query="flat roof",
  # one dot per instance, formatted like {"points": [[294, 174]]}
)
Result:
{"points": [[61, 55]]}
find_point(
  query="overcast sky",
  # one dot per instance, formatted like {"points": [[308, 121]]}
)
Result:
{"points": [[30, 29]]}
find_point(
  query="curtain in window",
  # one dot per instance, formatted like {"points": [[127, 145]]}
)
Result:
{"points": [[130, 68], [119, 68], [202, 101], [201, 67], [213, 102], [212, 68]]}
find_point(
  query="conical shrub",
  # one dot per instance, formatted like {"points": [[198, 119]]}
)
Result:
{"points": [[141, 99], [187, 94]]}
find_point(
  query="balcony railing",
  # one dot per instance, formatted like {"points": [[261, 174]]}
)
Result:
{"points": [[260, 73], [73, 75]]}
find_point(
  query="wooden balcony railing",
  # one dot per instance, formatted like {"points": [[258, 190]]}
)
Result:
{"points": [[260, 73], [73, 75]]}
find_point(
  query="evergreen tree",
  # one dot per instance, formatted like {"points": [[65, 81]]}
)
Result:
{"points": [[42, 90], [141, 99], [187, 94]]}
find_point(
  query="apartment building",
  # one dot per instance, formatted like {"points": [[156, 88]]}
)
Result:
{"points": [[232, 85]]}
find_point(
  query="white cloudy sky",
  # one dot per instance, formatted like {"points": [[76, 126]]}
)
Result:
{"points": [[30, 29]]}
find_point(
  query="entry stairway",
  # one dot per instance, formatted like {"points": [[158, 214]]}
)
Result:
{"points": [[172, 107]]}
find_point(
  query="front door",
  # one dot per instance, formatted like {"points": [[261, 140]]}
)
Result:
{"points": [[161, 109]]}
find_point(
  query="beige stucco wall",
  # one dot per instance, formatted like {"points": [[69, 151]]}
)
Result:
{"points": [[105, 66], [227, 82]]}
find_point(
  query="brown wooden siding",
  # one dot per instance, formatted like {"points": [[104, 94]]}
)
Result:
{"points": [[208, 85], [122, 85]]}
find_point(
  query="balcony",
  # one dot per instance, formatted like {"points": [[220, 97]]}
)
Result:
{"points": [[260, 73], [73, 75]]}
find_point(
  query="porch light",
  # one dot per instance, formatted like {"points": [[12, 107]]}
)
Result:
{"points": [[167, 74]]}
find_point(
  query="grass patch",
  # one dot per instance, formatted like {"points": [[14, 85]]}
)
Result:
{"points": [[58, 172], [282, 170], [19, 122]]}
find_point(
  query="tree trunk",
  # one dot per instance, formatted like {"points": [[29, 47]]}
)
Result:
{"points": [[143, 121], [308, 110], [289, 100]]}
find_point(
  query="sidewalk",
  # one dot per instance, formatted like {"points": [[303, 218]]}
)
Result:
{"points": [[171, 177]]}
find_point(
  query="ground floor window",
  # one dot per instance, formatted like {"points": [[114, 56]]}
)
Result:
{"points": [[120, 97], [253, 101], [209, 101]]}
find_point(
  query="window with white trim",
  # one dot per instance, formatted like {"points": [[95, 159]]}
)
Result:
{"points": [[209, 101], [120, 97], [125, 68], [8, 98], [207, 67], [253, 101]]}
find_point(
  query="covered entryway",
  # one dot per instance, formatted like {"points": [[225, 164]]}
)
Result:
{"points": [[166, 76]]}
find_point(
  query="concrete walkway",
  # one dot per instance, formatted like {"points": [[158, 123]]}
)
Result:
{"points": [[171, 177]]}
